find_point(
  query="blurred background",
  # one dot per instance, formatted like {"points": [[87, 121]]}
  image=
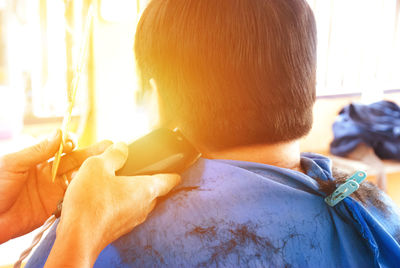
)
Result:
{"points": [[358, 60]]}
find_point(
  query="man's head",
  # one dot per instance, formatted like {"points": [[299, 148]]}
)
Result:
{"points": [[231, 72]]}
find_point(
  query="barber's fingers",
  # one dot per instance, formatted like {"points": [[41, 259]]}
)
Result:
{"points": [[115, 156], [75, 159], [34, 155], [163, 183], [64, 180], [69, 144], [156, 185]]}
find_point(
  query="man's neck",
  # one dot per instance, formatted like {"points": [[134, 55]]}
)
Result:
{"points": [[285, 155]]}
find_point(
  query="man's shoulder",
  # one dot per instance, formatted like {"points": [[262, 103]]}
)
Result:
{"points": [[228, 213]]}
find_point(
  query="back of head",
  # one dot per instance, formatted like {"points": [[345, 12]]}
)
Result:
{"points": [[231, 72]]}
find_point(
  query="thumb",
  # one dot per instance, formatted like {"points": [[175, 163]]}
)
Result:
{"points": [[161, 184], [35, 154], [115, 156]]}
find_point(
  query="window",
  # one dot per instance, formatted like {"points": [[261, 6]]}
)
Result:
{"points": [[358, 46], [42, 39]]}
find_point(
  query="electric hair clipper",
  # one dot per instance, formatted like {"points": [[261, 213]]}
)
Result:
{"points": [[161, 151]]}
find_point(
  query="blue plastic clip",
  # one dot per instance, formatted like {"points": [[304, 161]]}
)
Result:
{"points": [[344, 190]]}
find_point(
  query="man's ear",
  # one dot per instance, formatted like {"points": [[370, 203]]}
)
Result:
{"points": [[161, 118]]}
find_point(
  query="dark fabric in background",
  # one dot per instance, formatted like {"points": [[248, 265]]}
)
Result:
{"points": [[377, 125]]}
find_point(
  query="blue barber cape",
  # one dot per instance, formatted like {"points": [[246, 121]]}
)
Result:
{"points": [[241, 214]]}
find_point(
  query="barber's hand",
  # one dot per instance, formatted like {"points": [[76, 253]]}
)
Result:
{"points": [[27, 194], [100, 207]]}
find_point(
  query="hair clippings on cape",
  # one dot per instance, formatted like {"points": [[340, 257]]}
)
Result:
{"points": [[344, 190]]}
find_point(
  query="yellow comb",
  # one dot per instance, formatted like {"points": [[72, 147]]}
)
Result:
{"points": [[72, 91]]}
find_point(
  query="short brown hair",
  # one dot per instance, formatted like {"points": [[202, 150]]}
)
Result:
{"points": [[231, 72]]}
